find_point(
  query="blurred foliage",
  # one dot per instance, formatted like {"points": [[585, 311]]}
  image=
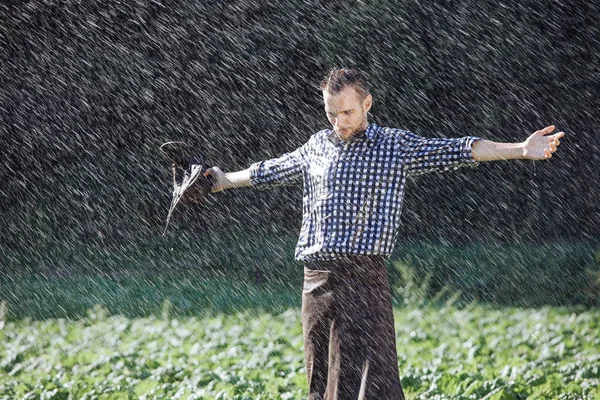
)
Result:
{"points": [[411, 291], [550, 273], [91, 89], [205, 276], [160, 295]]}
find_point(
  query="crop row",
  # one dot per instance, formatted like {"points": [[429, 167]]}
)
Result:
{"points": [[449, 353]]}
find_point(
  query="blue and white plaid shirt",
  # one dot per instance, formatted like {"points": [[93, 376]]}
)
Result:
{"points": [[353, 191]]}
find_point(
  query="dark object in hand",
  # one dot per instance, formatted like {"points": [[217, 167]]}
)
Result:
{"points": [[190, 184]]}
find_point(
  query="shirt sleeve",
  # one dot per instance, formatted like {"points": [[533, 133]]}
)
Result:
{"points": [[284, 170], [422, 155]]}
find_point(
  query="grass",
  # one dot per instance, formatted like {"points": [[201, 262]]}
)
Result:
{"points": [[211, 277], [143, 275], [164, 322], [134, 296]]}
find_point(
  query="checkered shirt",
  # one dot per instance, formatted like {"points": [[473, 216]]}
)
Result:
{"points": [[353, 191]]}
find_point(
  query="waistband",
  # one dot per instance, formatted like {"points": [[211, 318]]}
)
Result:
{"points": [[345, 262]]}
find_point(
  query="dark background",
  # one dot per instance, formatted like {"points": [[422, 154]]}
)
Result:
{"points": [[89, 90]]}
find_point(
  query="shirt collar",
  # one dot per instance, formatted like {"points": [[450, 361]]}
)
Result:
{"points": [[368, 134]]}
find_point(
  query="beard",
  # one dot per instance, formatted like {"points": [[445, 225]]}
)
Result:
{"points": [[354, 133]]}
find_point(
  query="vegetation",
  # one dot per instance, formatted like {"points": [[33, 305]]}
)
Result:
{"points": [[445, 353], [87, 324], [224, 274], [93, 304]]}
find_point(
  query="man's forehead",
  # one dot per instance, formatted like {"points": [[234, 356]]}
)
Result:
{"points": [[346, 98]]}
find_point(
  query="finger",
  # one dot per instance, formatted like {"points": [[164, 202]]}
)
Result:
{"points": [[558, 135], [556, 139], [547, 130], [547, 153]]}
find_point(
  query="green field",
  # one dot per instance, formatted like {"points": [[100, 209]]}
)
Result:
{"points": [[177, 322], [472, 352]]}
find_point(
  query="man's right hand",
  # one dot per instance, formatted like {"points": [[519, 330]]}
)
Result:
{"points": [[228, 180], [220, 181]]}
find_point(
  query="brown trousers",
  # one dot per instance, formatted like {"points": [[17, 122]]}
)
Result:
{"points": [[348, 325]]}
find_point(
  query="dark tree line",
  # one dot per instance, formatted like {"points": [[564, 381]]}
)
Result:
{"points": [[89, 90]]}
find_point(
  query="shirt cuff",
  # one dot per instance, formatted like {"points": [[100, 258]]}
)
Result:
{"points": [[255, 178], [466, 151]]}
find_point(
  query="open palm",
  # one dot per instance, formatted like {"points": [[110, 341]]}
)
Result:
{"points": [[540, 145]]}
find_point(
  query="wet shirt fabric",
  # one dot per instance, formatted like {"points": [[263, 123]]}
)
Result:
{"points": [[353, 190]]}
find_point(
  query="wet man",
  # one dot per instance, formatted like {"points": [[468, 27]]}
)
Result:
{"points": [[354, 177]]}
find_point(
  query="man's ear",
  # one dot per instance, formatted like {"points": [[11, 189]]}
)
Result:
{"points": [[368, 102]]}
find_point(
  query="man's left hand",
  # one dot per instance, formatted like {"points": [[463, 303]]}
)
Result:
{"points": [[538, 146]]}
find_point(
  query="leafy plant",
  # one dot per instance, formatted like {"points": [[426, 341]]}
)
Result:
{"points": [[3, 312], [412, 291], [474, 352]]}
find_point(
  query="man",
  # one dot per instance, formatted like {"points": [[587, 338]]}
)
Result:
{"points": [[354, 177]]}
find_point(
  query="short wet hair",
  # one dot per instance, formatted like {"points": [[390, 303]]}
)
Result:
{"points": [[338, 78]]}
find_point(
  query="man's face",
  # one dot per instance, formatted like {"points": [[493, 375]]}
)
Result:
{"points": [[346, 112]]}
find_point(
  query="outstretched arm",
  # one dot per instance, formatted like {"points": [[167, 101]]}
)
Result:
{"points": [[538, 146], [284, 170]]}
